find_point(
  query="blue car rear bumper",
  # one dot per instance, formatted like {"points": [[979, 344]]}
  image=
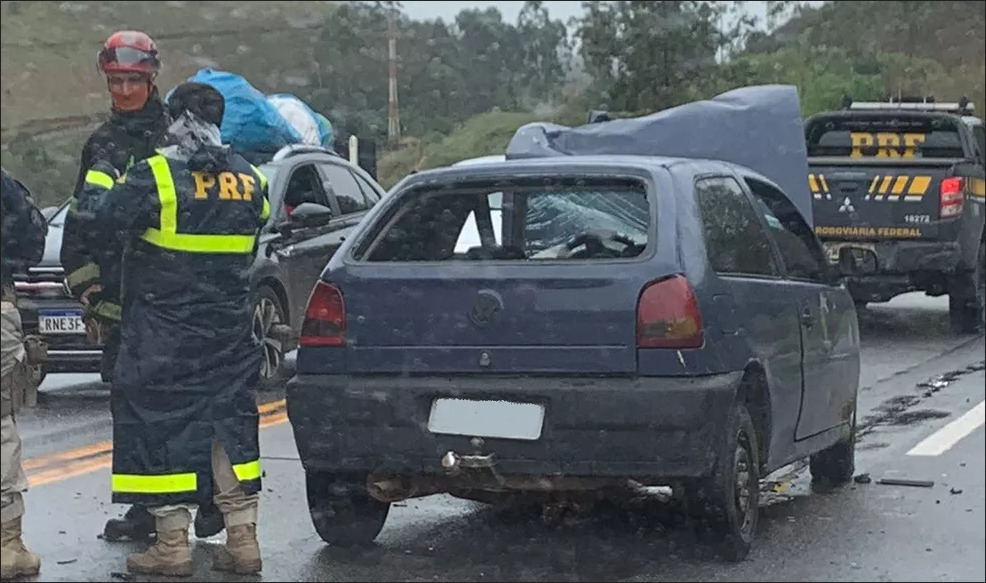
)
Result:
{"points": [[643, 428]]}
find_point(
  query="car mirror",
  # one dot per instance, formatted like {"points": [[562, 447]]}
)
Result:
{"points": [[310, 214]]}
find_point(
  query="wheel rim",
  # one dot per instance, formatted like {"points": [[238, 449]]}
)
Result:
{"points": [[266, 315], [743, 495]]}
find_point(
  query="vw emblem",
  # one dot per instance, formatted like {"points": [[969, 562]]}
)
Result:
{"points": [[487, 309]]}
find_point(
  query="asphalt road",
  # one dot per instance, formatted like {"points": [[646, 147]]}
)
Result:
{"points": [[922, 420]]}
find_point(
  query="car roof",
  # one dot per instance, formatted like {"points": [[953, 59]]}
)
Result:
{"points": [[573, 164]]}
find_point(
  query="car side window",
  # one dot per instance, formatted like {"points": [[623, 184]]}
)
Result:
{"points": [[800, 249], [371, 194], [346, 189], [734, 237], [305, 185]]}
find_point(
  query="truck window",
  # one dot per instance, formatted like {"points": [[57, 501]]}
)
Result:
{"points": [[885, 136], [980, 134]]}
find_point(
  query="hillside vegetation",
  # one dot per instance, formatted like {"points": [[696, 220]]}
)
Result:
{"points": [[866, 49], [49, 48], [467, 84]]}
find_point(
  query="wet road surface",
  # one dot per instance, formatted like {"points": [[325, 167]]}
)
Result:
{"points": [[919, 422]]}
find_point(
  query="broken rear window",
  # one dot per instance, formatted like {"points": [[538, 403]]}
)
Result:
{"points": [[558, 220]]}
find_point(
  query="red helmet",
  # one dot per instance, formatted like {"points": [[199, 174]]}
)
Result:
{"points": [[129, 51]]}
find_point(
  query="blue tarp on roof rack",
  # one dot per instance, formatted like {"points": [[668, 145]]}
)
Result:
{"points": [[250, 122], [758, 127]]}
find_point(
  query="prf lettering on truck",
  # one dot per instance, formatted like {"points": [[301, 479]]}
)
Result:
{"points": [[886, 144]]}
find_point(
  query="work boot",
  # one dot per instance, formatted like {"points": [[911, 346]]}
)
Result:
{"points": [[136, 525], [15, 559], [170, 556], [208, 521], [241, 553]]}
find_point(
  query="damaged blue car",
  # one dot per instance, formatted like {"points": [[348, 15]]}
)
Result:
{"points": [[609, 307]]}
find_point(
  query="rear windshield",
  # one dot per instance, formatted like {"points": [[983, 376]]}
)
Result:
{"points": [[579, 220], [885, 136]]}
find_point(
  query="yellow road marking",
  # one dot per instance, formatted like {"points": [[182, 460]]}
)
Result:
{"points": [[84, 460]]}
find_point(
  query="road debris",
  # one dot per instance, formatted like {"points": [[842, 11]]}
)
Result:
{"points": [[955, 490], [862, 478], [906, 482], [66, 561]]}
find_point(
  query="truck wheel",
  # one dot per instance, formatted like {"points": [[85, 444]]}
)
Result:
{"points": [[728, 500], [835, 465], [978, 311], [342, 511], [967, 304]]}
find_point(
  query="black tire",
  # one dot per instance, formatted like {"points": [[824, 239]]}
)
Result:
{"points": [[728, 501], [268, 312], [978, 310], [967, 309], [836, 464], [342, 511]]}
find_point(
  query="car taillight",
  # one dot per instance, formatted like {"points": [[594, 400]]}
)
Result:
{"points": [[325, 317], [951, 198], [668, 316]]}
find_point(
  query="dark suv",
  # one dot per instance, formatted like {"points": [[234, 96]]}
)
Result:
{"points": [[316, 198]]}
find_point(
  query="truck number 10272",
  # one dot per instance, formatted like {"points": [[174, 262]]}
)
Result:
{"points": [[917, 218]]}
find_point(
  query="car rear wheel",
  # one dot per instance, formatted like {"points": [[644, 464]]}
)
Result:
{"points": [[268, 320], [342, 511], [728, 501]]}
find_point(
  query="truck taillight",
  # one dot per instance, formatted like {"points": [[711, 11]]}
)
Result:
{"points": [[951, 198], [668, 315], [325, 317]]}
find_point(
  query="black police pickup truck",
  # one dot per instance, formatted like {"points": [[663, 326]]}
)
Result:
{"points": [[901, 184]]}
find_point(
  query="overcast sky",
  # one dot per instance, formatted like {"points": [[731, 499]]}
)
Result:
{"points": [[560, 9]]}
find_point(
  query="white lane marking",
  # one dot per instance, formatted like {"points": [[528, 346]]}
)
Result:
{"points": [[942, 440]]}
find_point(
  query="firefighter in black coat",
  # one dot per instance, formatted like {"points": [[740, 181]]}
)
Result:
{"points": [[185, 419]]}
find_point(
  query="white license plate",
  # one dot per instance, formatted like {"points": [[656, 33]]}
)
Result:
{"points": [[494, 419], [61, 322]]}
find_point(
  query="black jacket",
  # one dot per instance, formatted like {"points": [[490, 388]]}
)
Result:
{"points": [[121, 142], [22, 230], [189, 358]]}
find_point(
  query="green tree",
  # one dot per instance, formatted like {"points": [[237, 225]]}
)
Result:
{"points": [[650, 55], [543, 41]]}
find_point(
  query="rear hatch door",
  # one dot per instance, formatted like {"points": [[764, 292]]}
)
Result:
{"points": [[502, 280]]}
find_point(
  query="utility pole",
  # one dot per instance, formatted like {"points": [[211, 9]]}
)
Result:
{"points": [[393, 118]]}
